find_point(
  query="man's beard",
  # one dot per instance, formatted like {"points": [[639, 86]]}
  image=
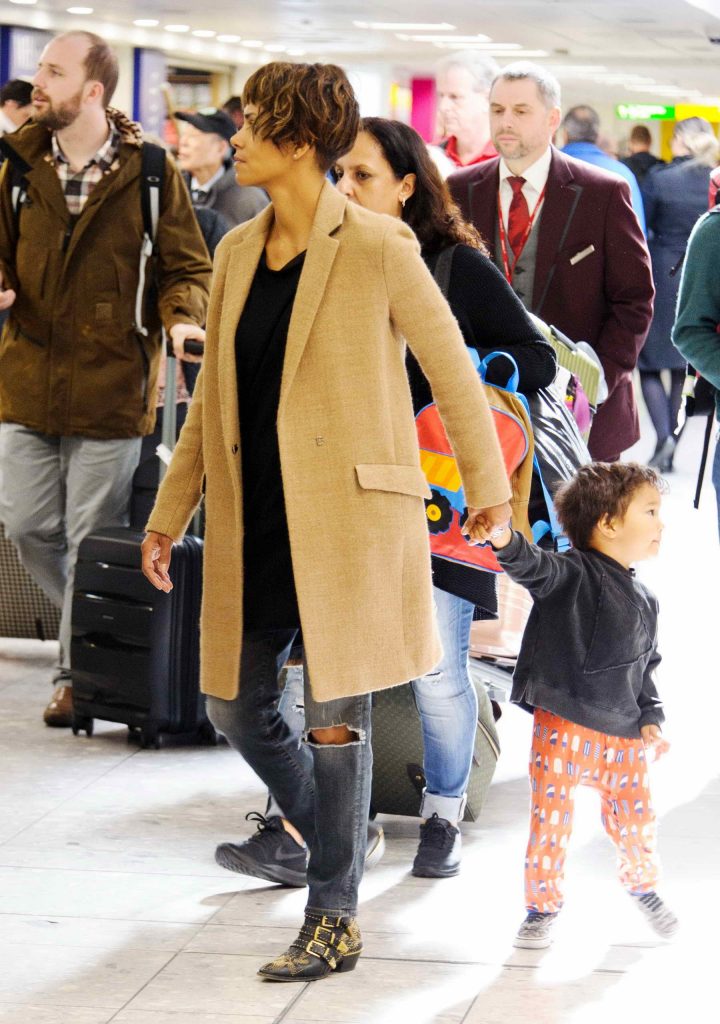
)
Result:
{"points": [[60, 116]]}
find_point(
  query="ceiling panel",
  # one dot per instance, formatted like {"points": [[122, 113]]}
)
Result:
{"points": [[666, 40]]}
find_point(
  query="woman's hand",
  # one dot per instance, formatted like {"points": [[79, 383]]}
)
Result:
{"points": [[483, 524], [156, 555]]}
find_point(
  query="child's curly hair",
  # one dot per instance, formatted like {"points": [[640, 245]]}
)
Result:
{"points": [[597, 490], [300, 104]]}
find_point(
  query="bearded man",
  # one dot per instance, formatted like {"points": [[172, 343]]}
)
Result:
{"points": [[78, 382]]}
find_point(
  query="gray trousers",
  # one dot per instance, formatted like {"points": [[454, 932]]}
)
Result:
{"points": [[53, 492]]}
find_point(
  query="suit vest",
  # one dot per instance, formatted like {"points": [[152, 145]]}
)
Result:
{"points": [[523, 282]]}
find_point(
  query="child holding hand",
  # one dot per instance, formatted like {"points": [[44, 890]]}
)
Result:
{"points": [[585, 671]]}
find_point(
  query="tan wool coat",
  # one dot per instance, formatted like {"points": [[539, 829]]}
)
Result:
{"points": [[352, 481]]}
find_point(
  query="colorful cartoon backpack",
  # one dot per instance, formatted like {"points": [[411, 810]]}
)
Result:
{"points": [[446, 509]]}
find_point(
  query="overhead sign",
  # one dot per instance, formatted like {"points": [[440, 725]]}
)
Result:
{"points": [[709, 112], [644, 112]]}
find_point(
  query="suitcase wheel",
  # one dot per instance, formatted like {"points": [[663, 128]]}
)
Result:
{"points": [[207, 734], [150, 739], [82, 723]]}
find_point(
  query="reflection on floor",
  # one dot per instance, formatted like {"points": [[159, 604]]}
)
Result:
{"points": [[112, 909]]}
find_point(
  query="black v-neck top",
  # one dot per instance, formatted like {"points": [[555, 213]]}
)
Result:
{"points": [[270, 601]]}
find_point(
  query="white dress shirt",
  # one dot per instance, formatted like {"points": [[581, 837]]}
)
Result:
{"points": [[535, 176]]}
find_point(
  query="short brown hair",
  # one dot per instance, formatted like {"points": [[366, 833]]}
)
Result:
{"points": [[641, 134], [305, 104], [101, 63], [597, 490]]}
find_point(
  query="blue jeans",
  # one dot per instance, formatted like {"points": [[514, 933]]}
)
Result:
{"points": [[447, 704], [716, 475], [324, 789], [448, 708]]}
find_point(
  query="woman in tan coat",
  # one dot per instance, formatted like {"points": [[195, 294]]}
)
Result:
{"points": [[302, 432]]}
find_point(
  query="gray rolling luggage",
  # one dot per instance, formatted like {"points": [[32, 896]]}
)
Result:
{"points": [[398, 778], [25, 610]]}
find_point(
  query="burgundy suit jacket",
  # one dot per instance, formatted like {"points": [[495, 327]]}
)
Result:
{"points": [[602, 295]]}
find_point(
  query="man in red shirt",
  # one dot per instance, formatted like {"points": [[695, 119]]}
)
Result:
{"points": [[463, 86]]}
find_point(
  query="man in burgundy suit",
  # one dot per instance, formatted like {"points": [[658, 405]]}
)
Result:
{"points": [[565, 234]]}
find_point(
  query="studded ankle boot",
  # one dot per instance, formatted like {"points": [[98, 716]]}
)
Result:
{"points": [[324, 945]]}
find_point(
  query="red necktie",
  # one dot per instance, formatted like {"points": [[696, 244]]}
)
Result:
{"points": [[518, 215]]}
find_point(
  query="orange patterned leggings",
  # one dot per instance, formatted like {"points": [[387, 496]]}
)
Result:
{"points": [[563, 757]]}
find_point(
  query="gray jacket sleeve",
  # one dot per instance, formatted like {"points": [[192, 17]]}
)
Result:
{"points": [[538, 571]]}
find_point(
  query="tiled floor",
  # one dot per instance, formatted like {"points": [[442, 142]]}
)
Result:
{"points": [[112, 909]]}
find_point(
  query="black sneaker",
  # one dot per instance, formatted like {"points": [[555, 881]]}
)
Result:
{"points": [[271, 853], [438, 854], [660, 917]]}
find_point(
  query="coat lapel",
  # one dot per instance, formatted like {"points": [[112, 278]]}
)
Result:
{"points": [[321, 252], [561, 200], [483, 206], [242, 264]]}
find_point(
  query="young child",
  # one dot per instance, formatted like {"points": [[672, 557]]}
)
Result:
{"points": [[585, 670]]}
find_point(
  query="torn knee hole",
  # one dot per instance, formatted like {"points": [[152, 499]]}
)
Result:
{"points": [[334, 736]]}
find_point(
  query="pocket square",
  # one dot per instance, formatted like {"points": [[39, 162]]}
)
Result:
{"points": [[581, 255]]}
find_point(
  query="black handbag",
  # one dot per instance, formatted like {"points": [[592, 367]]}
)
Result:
{"points": [[559, 452]]}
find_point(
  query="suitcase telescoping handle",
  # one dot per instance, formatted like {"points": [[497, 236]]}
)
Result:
{"points": [[169, 427]]}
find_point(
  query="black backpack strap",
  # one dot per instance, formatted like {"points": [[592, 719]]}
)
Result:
{"points": [[18, 171], [443, 268], [152, 172]]}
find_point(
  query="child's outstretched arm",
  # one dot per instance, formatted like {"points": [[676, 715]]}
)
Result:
{"points": [[537, 570]]}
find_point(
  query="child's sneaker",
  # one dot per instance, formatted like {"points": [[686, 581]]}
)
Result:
{"points": [[661, 918], [534, 932]]}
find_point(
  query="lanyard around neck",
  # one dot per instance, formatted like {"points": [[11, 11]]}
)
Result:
{"points": [[509, 268]]}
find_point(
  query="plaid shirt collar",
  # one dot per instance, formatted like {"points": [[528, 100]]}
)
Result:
{"points": [[77, 185]]}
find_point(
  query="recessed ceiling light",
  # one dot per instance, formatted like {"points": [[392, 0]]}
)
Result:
{"points": [[479, 39], [28, 2], [80, 10], [254, 44], [405, 26], [495, 51], [177, 28], [225, 38], [146, 22], [204, 33]]}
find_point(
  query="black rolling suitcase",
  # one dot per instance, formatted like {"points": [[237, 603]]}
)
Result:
{"points": [[135, 652], [398, 778]]}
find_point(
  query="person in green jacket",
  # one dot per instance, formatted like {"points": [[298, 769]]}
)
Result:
{"points": [[697, 322]]}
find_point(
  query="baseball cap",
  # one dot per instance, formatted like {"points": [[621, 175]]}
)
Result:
{"points": [[210, 119]]}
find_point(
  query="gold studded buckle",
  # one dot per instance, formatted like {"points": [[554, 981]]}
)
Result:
{"points": [[324, 934], [317, 949]]}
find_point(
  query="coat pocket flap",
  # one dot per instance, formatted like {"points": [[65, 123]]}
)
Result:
{"points": [[401, 479]]}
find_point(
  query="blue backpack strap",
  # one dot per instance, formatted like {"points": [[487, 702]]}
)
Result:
{"points": [[541, 527], [514, 378]]}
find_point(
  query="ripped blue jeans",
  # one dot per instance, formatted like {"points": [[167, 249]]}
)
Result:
{"points": [[324, 789]]}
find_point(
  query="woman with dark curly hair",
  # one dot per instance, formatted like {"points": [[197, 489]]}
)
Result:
{"points": [[302, 436], [388, 170]]}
